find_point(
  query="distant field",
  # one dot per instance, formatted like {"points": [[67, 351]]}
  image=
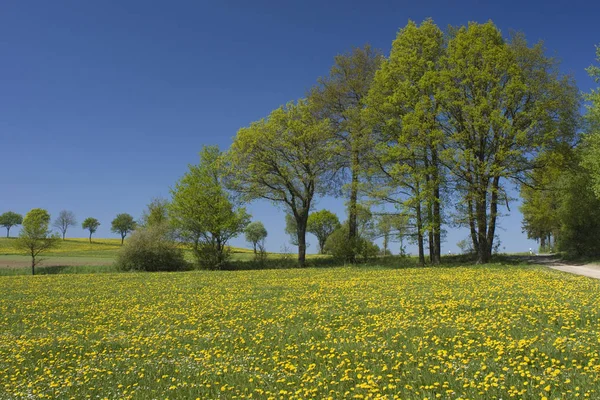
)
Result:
{"points": [[80, 252], [493, 332]]}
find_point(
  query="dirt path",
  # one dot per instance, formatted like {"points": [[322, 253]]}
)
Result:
{"points": [[590, 270]]}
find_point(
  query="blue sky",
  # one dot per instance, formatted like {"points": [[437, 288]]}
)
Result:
{"points": [[104, 103]]}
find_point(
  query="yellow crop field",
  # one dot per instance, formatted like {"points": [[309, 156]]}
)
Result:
{"points": [[451, 333]]}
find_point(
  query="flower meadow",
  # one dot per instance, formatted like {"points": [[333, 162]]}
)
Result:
{"points": [[493, 332]]}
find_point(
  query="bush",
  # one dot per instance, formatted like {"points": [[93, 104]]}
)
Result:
{"points": [[344, 249], [151, 249]]}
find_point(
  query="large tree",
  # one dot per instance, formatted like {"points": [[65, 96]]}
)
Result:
{"points": [[122, 225], [65, 220], [591, 155], [285, 158], [341, 98], [91, 224], [322, 223], [10, 219], [406, 169], [501, 104], [204, 213], [35, 236]]}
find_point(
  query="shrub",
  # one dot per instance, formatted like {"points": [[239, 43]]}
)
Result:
{"points": [[344, 249], [151, 249]]}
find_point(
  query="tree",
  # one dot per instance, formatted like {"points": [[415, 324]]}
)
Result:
{"points": [[501, 104], [35, 236], [90, 224], [291, 228], [591, 156], [341, 98], [256, 234], [204, 213], [406, 167], [156, 213], [322, 224], [123, 224], [10, 219], [541, 199], [285, 158], [64, 221]]}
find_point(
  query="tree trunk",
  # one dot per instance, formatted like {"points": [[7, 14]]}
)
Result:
{"points": [[352, 212], [254, 244], [420, 235], [484, 254], [64, 233], [301, 241], [322, 245], [385, 244], [7, 231], [437, 217], [122, 239], [491, 233], [90, 237], [32, 265]]}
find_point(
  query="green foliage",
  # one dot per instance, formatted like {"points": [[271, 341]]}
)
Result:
{"points": [[322, 224], [345, 249], [91, 224], [286, 158], [256, 233], [10, 219], [341, 97], [65, 220], [591, 155], [407, 172], [542, 197], [122, 225], [156, 213], [35, 236], [502, 104], [203, 212], [291, 228], [579, 214], [151, 248]]}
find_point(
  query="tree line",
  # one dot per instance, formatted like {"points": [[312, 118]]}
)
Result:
{"points": [[429, 138], [434, 133]]}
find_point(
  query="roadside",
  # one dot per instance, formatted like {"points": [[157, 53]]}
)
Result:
{"points": [[552, 261]]}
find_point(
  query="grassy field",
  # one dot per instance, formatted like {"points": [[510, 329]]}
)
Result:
{"points": [[465, 332], [80, 252]]}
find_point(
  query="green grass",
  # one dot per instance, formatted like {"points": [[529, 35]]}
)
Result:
{"points": [[463, 332]]}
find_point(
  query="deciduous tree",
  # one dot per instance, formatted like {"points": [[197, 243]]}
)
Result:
{"points": [[502, 103], [35, 236], [256, 233], [65, 220], [285, 158], [122, 225], [204, 213], [10, 219], [322, 223], [341, 98], [91, 224]]}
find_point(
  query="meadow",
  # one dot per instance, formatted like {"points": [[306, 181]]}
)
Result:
{"points": [[78, 255], [453, 333]]}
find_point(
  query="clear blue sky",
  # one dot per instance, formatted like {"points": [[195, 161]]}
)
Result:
{"points": [[104, 103]]}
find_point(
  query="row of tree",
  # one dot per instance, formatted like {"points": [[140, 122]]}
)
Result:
{"points": [[122, 224], [434, 133]]}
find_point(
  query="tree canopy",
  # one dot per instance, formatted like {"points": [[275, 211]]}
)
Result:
{"points": [[285, 158], [10, 219], [204, 213], [35, 236]]}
